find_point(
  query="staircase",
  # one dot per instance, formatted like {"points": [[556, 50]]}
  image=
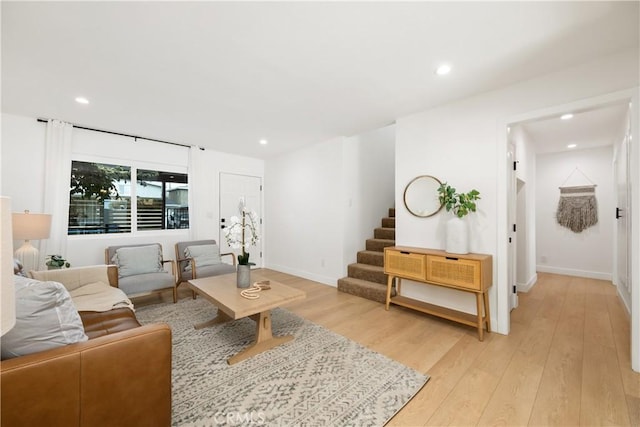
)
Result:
{"points": [[366, 277]]}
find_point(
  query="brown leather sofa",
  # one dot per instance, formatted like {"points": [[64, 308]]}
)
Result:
{"points": [[121, 376]]}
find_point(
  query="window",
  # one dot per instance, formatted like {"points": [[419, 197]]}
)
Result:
{"points": [[162, 200], [101, 194], [99, 198]]}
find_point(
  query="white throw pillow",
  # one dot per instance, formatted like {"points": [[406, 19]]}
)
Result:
{"points": [[203, 255], [45, 318], [136, 260]]}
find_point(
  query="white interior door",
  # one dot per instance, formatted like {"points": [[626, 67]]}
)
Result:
{"points": [[621, 167], [511, 224], [235, 189], [522, 272]]}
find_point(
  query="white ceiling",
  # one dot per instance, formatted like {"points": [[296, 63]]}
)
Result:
{"points": [[226, 74], [587, 129]]}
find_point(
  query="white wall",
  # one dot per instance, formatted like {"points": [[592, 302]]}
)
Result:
{"points": [[23, 163], [304, 206], [465, 142], [560, 250], [322, 202], [23, 178]]}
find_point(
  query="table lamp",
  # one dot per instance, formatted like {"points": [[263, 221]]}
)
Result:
{"points": [[7, 291], [29, 226]]}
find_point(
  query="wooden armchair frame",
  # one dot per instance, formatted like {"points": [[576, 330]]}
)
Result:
{"points": [[180, 278]]}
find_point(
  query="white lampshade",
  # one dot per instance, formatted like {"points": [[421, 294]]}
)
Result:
{"points": [[29, 226], [7, 294]]}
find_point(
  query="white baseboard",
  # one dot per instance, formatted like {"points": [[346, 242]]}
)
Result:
{"points": [[572, 272], [325, 280], [526, 287], [624, 303]]}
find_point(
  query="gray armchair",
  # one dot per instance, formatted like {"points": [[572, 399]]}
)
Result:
{"points": [[141, 269], [201, 258]]}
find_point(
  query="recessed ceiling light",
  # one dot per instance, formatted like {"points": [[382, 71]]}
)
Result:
{"points": [[263, 141], [572, 145], [566, 116], [82, 100], [443, 69]]}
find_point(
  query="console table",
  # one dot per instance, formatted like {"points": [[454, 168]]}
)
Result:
{"points": [[467, 273]]}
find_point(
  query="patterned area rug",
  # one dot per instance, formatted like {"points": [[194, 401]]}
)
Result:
{"points": [[318, 379]]}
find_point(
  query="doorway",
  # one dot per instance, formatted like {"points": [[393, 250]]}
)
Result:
{"points": [[622, 101], [568, 151]]}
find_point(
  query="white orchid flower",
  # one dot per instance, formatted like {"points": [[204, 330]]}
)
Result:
{"points": [[249, 223]]}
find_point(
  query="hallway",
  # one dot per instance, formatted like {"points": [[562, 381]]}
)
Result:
{"points": [[579, 330]]}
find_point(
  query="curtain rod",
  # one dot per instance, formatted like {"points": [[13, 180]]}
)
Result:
{"points": [[121, 134]]}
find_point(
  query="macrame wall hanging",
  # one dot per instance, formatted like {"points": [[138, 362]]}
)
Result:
{"points": [[578, 207]]}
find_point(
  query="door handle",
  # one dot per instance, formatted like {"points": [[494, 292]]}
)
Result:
{"points": [[618, 210]]}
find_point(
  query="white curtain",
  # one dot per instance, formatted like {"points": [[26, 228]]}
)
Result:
{"points": [[197, 192], [56, 187]]}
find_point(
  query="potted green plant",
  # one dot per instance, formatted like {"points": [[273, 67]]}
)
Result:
{"points": [[55, 262], [461, 204]]}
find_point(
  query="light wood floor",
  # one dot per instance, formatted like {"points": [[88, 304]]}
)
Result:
{"points": [[566, 361]]}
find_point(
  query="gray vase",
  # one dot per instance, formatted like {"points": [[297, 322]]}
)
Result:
{"points": [[243, 278]]}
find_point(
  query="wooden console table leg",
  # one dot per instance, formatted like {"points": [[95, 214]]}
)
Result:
{"points": [[479, 309], [485, 297], [389, 285]]}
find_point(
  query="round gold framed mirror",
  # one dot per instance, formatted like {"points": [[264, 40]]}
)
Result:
{"points": [[421, 196]]}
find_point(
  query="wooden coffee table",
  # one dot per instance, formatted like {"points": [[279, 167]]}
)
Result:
{"points": [[222, 292]]}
